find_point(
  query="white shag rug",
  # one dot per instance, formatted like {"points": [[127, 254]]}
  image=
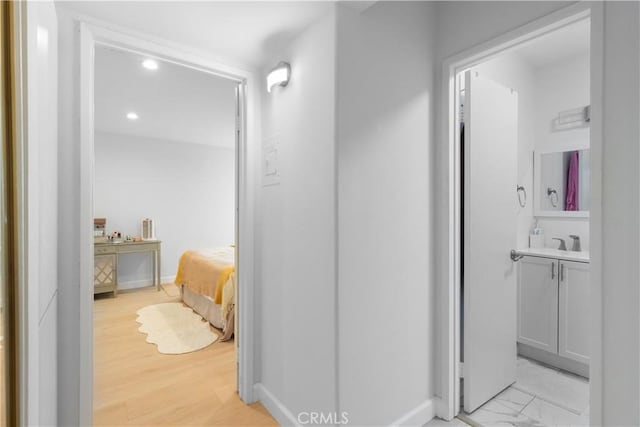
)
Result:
{"points": [[174, 328]]}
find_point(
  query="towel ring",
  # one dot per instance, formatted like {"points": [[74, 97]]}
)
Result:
{"points": [[550, 194], [521, 192]]}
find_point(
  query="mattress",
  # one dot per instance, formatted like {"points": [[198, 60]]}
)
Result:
{"points": [[204, 306], [207, 282]]}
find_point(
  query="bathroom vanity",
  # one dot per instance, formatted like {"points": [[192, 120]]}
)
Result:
{"points": [[553, 308]]}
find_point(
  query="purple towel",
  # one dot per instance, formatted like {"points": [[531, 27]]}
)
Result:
{"points": [[571, 202]]}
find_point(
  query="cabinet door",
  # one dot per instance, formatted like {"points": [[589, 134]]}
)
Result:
{"points": [[575, 295], [105, 278], [538, 303]]}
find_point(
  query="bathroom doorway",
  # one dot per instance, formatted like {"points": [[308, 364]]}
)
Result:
{"points": [[523, 130]]}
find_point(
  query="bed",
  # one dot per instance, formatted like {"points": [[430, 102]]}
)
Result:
{"points": [[207, 283]]}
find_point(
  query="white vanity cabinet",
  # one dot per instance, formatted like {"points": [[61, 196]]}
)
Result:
{"points": [[553, 310], [538, 303], [573, 320]]}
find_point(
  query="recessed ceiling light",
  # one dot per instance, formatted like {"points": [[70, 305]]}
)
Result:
{"points": [[150, 64], [132, 116]]}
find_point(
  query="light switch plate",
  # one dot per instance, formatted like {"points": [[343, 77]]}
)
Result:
{"points": [[270, 163]]}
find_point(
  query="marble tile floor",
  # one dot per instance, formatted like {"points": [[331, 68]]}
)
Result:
{"points": [[540, 397], [437, 422]]}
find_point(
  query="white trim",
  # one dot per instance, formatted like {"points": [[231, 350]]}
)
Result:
{"points": [[595, 214], [92, 33], [418, 416], [577, 215], [143, 283], [25, 374], [86, 220], [449, 216], [537, 168], [167, 279], [281, 413], [442, 407]]}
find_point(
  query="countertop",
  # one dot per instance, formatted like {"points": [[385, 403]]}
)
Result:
{"points": [[125, 242], [582, 256]]}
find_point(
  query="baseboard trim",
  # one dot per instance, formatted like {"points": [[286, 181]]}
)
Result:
{"points": [[168, 279], [418, 416], [134, 284], [276, 408], [553, 360], [442, 409]]}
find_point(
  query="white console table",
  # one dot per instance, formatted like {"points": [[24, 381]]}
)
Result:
{"points": [[106, 255]]}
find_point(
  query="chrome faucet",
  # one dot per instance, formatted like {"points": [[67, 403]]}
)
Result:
{"points": [[576, 243], [563, 245]]}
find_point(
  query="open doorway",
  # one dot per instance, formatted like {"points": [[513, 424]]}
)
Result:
{"points": [[524, 138], [165, 235]]}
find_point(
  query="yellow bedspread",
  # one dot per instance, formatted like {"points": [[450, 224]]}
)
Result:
{"points": [[206, 271]]}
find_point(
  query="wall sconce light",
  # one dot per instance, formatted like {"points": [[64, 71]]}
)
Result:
{"points": [[279, 76]]}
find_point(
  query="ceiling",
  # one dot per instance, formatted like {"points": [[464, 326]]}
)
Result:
{"points": [[244, 33], [172, 103], [567, 42]]}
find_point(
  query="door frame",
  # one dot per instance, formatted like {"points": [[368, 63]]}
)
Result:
{"points": [[448, 268], [93, 33]]}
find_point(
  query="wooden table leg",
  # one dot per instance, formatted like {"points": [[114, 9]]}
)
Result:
{"points": [[115, 275], [158, 270]]}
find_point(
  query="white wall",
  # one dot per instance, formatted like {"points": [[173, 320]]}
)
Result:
{"points": [[558, 87], [561, 86], [384, 160], [620, 201], [42, 216], [385, 212], [463, 24], [188, 189], [296, 253]]}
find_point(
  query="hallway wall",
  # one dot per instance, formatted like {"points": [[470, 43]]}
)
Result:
{"points": [[384, 184], [296, 242], [386, 289], [615, 229]]}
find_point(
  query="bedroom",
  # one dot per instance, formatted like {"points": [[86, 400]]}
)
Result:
{"points": [[164, 197]]}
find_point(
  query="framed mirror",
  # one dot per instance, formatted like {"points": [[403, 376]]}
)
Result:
{"points": [[562, 183]]}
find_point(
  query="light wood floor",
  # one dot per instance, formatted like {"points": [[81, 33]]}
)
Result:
{"points": [[136, 385]]}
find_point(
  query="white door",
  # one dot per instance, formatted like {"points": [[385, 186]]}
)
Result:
{"points": [[538, 303], [573, 337], [490, 214]]}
